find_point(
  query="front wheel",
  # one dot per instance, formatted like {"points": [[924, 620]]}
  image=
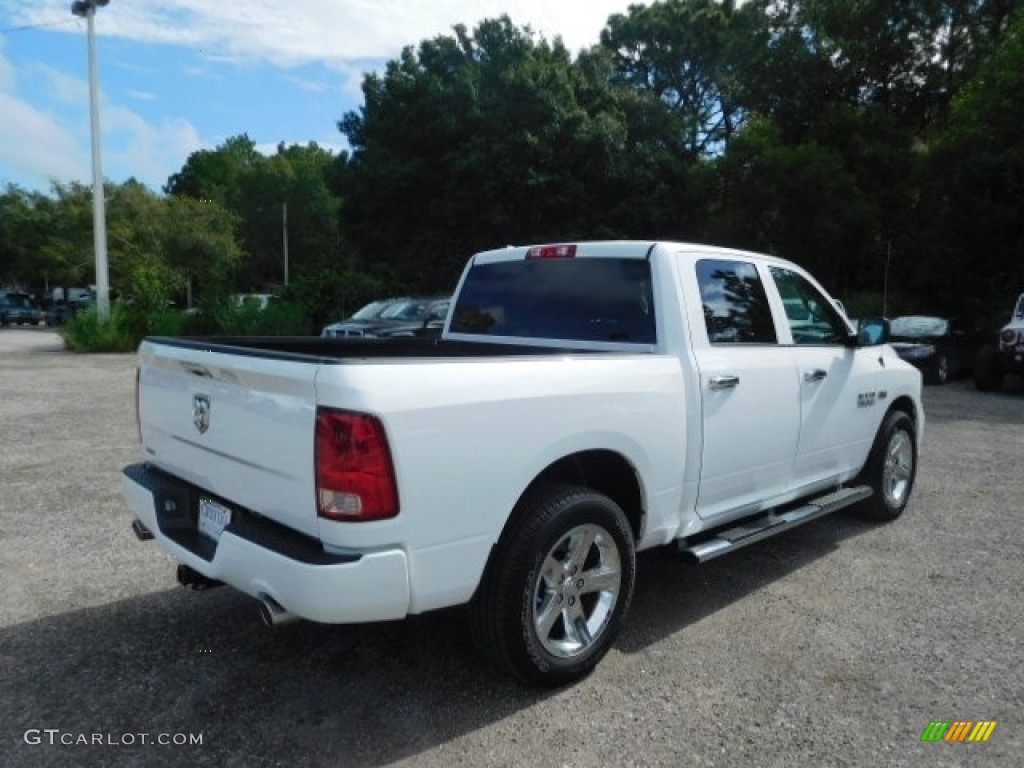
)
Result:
{"points": [[559, 583], [891, 467]]}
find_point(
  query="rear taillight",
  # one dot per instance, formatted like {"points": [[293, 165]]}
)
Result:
{"points": [[1008, 336], [355, 479], [563, 251], [138, 419]]}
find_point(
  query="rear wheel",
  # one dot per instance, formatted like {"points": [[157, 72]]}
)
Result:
{"points": [[558, 585], [988, 373], [891, 467]]}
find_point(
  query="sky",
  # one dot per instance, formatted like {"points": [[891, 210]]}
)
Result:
{"points": [[178, 76]]}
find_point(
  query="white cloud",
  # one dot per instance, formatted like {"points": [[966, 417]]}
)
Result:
{"points": [[38, 145], [350, 37], [7, 79], [61, 87], [150, 153], [302, 31], [35, 148]]}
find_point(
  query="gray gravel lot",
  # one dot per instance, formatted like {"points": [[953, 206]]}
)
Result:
{"points": [[834, 645]]}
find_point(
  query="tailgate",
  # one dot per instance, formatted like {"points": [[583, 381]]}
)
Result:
{"points": [[238, 425]]}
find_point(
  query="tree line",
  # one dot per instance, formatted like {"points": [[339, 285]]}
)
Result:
{"points": [[876, 143]]}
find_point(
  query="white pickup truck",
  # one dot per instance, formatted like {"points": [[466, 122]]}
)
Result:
{"points": [[585, 401]]}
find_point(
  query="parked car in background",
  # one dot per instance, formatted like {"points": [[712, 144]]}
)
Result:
{"points": [[17, 309], [59, 312], [939, 346], [253, 300], [406, 316]]}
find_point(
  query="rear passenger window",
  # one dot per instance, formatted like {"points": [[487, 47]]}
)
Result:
{"points": [[735, 304]]}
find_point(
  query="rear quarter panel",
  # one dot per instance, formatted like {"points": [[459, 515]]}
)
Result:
{"points": [[468, 437]]}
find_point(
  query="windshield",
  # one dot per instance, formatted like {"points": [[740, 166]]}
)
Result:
{"points": [[915, 327], [371, 311], [405, 310]]}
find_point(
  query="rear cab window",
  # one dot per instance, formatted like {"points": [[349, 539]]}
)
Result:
{"points": [[601, 300]]}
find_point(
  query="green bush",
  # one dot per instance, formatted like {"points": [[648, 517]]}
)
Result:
{"points": [[129, 324], [330, 295], [280, 318], [126, 328]]}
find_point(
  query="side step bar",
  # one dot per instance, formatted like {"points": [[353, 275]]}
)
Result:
{"points": [[758, 528], [142, 533]]}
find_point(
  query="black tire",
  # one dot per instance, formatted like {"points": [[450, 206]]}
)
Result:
{"points": [[566, 553], [938, 374], [891, 468], [988, 372]]}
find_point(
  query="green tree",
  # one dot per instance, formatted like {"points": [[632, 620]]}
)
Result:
{"points": [[67, 254], [486, 138], [797, 200], [255, 189], [973, 190], [26, 221], [683, 52]]}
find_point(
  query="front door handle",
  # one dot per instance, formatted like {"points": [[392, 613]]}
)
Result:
{"points": [[723, 382], [816, 375]]}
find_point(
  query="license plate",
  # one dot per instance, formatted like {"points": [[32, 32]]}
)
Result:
{"points": [[213, 518]]}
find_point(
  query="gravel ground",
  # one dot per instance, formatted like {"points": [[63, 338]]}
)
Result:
{"points": [[834, 645]]}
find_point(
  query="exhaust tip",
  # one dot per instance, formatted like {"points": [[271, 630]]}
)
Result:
{"points": [[273, 614]]}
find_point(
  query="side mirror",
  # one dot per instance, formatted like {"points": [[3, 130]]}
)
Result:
{"points": [[872, 331]]}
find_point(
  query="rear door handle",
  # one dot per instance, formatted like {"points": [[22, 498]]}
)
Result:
{"points": [[723, 382], [816, 375]]}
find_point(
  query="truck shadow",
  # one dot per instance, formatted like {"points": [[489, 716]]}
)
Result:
{"points": [[672, 595], [176, 662]]}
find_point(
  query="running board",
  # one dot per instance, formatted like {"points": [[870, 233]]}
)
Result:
{"points": [[750, 531]]}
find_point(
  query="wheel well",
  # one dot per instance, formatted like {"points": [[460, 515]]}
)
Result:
{"points": [[606, 472], [906, 405]]}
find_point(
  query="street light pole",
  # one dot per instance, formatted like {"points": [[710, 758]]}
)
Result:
{"points": [[284, 238], [87, 9]]}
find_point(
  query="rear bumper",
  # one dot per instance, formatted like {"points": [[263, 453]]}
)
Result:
{"points": [[264, 559]]}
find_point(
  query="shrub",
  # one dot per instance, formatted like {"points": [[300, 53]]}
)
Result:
{"points": [[332, 294], [129, 324], [280, 318], [126, 328]]}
